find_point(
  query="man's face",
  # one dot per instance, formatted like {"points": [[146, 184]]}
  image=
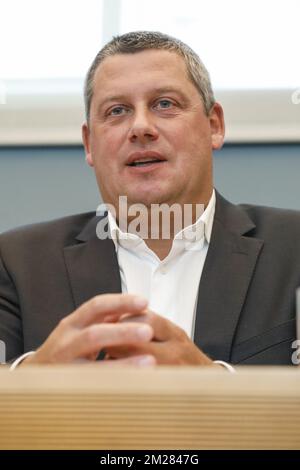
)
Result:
{"points": [[146, 109]]}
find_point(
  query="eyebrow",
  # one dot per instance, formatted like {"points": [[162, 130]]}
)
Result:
{"points": [[160, 90]]}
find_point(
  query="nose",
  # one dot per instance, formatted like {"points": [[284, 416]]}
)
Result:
{"points": [[143, 127]]}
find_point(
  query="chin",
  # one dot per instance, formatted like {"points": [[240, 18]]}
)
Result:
{"points": [[147, 199]]}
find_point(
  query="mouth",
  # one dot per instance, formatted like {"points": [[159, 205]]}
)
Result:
{"points": [[145, 159], [144, 163]]}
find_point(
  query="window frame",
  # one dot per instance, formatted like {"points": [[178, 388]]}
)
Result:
{"points": [[50, 115]]}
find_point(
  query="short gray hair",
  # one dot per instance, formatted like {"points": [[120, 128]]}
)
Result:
{"points": [[138, 41]]}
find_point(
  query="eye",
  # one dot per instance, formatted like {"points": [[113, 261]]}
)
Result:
{"points": [[164, 104], [117, 111]]}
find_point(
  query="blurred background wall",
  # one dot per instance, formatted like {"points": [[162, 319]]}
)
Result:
{"points": [[41, 183], [46, 48]]}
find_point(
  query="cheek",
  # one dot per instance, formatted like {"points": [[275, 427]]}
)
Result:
{"points": [[201, 142], [105, 146], [193, 154], [189, 135]]}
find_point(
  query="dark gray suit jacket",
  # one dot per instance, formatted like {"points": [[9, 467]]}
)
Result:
{"points": [[246, 301]]}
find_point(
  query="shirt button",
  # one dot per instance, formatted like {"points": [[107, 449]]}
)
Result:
{"points": [[163, 270]]}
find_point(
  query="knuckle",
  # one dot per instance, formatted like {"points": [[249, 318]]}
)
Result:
{"points": [[90, 335], [149, 318], [95, 302], [179, 335], [128, 332], [63, 323]]}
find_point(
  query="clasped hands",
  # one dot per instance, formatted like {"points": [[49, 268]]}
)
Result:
{"points": [[122, 326]]}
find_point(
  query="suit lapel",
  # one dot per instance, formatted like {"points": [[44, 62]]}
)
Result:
{"points": [[92, 265], [93, 269], [226, 276]]}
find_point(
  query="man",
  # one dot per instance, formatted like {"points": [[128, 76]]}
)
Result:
{"points": [[225, 294]]}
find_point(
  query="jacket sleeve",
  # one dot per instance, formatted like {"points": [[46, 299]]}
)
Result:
{"points": [[11, 335]]}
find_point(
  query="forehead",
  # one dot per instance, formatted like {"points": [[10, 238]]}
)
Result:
{"points": [[159, 67]]}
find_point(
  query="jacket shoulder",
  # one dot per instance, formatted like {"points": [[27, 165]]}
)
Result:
{"points": [[62, 230], [275, 213], [272, 219]]}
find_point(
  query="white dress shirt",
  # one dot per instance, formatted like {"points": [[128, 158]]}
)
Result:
{"points": [[170, 285]]}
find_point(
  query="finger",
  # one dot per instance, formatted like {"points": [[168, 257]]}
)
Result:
{"points": [[141, 360], [164, 329], [113, 318], [103, 305], [133, 349], [163, 352], [99, 336]]}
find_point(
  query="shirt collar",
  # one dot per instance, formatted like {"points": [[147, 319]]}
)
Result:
{"points": [[192, 233], [203, 225]]}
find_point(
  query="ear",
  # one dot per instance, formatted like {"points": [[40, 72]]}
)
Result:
{"points": [[86, 143], [217, 126]]}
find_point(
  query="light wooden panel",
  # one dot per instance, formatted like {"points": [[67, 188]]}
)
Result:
{"points": [[91, 407]]}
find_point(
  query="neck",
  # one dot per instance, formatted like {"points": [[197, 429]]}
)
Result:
{"points": [[160, 247], [158, 229], [162, 230]]}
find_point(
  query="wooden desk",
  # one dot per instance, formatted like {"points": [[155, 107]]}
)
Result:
{"points": [[87, 407]]}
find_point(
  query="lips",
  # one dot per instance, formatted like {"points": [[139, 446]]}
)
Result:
{"points": [[146, 158]]}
